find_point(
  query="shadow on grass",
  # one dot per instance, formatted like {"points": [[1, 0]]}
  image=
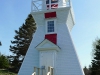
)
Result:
{"points": [[6, 72]]}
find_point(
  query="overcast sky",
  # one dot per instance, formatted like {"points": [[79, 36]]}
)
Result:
{"points": [[87, 24]]}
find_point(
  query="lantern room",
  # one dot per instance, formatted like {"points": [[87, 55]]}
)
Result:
{"points": [[39, 5]]}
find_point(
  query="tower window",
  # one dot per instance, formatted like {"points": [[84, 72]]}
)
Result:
{"points": [[47, 1], [50, 26], [52, 1]]}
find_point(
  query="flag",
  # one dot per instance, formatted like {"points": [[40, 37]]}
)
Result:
{"points": [[54, 4]]}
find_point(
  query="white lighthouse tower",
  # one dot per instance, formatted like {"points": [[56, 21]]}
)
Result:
{"points": [[51, 51]]}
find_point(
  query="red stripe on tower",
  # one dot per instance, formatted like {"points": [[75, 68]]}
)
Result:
{"points": [[52, 38], [50, 15]]}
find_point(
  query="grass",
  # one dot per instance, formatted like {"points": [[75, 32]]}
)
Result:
{"points": [[5, 72]]}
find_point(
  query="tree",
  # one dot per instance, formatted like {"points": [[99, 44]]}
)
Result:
{"points": [[0, 43], [4, 62], [22, 41], [95, 64], [87, 71]]}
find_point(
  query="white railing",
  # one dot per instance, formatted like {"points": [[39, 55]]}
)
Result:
{"points": [[36, 70], [48, 73], [50, 70], [34, 73], [37, 5]]}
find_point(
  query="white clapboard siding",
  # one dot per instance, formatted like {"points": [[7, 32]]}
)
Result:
{"points": [[67, 62]]}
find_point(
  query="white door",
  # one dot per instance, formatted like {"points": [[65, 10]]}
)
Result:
{"points": [[46, 59]]}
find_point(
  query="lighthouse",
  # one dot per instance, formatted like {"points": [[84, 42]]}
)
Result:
{"points": [[52, 51]]}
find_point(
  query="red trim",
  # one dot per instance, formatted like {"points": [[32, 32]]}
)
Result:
{"points": [[50, 15], [53, 6], [52, 38]]}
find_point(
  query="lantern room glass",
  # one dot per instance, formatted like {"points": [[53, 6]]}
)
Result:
{"points": [[52, 1]]}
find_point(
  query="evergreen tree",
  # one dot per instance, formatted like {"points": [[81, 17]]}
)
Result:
{"points": [[22, 41], [4, 63], [87, 71], [0, 43], [95, 64]]}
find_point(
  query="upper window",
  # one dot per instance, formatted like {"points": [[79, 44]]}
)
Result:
{"points": [[50, 26], [52, 1], [47, 1]]}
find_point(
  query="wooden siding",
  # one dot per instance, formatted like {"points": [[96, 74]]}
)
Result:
{"points": [[66, 62]]}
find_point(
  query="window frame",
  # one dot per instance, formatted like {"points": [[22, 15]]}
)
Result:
{"points": [[54, 1], [48, 2], [46, 23]]}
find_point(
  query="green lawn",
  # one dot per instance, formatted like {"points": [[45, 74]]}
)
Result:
{"points": [[5, 72]]}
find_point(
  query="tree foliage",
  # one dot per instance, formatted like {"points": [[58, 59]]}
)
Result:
{"points": [[95, 64], [0, 43], [87, 71], [22, 41], [4, 62]]}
